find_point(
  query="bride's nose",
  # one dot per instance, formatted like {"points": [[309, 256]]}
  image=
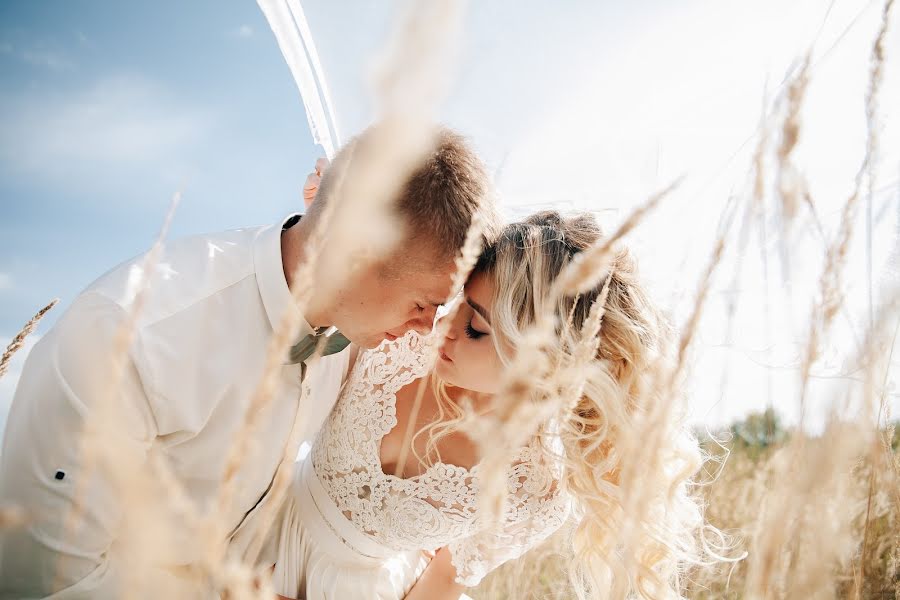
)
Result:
{"points": [[451, 333], [453, 330]]}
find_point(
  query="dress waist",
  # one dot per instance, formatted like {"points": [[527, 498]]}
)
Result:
{"points": [[332, 528]]}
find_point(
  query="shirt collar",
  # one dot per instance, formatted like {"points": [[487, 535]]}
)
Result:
{"points": [[273, 287]]}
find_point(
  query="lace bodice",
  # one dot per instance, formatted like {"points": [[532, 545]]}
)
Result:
{"points": [[438, 507]]}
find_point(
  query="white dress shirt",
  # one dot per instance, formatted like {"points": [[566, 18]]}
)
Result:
{"points": [[198, 354]]}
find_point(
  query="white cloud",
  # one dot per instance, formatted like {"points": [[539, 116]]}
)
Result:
{"points": [[244, 31], [113, 123], [48, 59]]}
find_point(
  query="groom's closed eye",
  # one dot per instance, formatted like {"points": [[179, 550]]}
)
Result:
{"points": [[420, 306]]}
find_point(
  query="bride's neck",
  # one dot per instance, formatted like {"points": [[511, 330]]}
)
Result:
{"points": [[481, 402]]}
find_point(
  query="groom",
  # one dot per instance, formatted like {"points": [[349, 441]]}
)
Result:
{"points": [[196, 357]]}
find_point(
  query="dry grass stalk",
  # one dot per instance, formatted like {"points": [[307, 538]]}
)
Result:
{"points": [[759, 160], [817, 515], [581, 274], [790, 182], [779, 537], [810, 478], [881, 461], [515, 418], [587, 269], [242, 448], [100, 449], [16, 344], [815, 473], [888, 431], [754, 215], [750, 482], [861, 572], [465, 262], [830, 283], [539, 371], [12, 516], [876, 78], [652, 423], [816, 503], [408, 91], [410, 81], [229, 576]]}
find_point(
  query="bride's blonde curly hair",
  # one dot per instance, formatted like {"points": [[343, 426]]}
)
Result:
{"points": [[627, 458]]}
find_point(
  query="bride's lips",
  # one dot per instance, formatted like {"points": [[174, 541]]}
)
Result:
{"points": [[444, 356]]}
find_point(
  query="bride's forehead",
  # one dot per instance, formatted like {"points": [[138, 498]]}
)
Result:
{"points": [[480, 288]]}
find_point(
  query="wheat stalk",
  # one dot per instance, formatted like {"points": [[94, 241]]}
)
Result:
{"points": [[17, 342], [407, 94], [97, 448]]}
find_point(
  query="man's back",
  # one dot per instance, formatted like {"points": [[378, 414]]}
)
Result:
{"points": [[197, 355]]}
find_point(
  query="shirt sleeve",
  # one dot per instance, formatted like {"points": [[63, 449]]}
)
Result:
{"points": [[535, 508], [42, 467]]}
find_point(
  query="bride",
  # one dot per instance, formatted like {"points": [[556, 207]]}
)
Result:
{"points": [[371, 518]]}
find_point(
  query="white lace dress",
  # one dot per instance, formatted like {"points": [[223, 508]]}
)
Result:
{"points": [[351, 531]]}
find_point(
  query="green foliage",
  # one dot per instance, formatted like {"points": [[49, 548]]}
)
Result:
{"points": [[758, 432]]}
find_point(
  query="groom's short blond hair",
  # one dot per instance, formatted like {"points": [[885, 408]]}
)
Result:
{"points": [[439, 198]]}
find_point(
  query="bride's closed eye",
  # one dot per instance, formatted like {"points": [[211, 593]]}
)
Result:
{"points": [[473, 333]]}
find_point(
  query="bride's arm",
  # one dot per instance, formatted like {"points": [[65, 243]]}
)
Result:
{"points": [[438, 582]]}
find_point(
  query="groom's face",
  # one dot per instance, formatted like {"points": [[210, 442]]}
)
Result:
{"points": [[385, 300]]}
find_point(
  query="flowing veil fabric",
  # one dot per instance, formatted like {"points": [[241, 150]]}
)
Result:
{"points": [[295, 40], [595, 106]]}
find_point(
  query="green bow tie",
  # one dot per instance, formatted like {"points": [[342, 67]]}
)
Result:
{"points": [[305, 348]]}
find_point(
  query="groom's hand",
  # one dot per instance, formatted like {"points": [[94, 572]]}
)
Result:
{"points": [[312, 181]]}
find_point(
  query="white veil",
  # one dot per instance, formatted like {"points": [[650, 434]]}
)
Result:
{"points": [[594, 106]]}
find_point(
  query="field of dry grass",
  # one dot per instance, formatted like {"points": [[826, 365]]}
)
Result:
{"points": [[740, 475], [792, 515]]}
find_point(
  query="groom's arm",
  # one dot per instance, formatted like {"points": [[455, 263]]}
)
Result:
{"points": [[42, 467]]}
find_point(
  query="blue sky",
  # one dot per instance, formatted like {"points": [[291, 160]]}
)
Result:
{"points": [[108, 108]]}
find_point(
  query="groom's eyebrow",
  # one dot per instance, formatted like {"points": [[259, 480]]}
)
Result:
{"points": [[479, 309]]}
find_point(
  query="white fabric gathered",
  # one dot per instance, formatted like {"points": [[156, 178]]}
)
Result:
{"points": [[440, 506]]}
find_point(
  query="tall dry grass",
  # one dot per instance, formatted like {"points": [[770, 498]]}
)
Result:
{"points": [[19, 340], [733, 494], [810, 517]]}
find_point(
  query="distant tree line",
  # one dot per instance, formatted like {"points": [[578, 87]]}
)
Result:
{"points": [[760, 431]]}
